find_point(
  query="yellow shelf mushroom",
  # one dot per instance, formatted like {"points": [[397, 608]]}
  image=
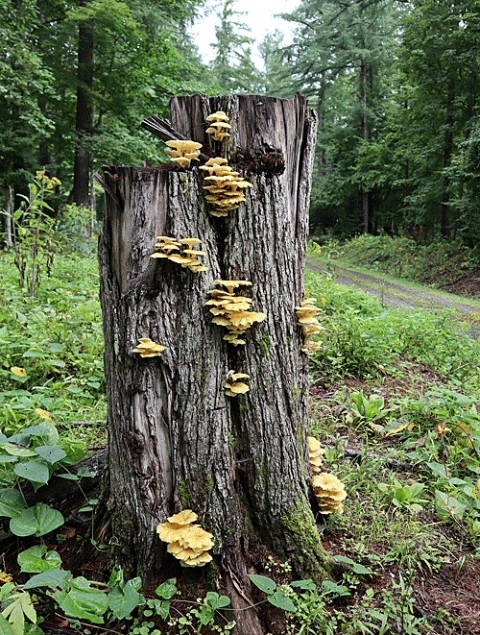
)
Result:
{"points": [[218, 125], [234, 385], [307, 318], [148, 348], [187, 541], [329, 492], [315, 454], [232, 311], [224, 187], [181, 251], [183, 151]]}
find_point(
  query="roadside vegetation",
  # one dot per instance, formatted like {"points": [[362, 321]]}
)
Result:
{"points": [[447, 265], [393, 403]]}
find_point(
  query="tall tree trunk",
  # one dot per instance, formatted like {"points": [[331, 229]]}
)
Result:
{"points": [[365, 130], [447, 158], [84, 113], [176, 440]]}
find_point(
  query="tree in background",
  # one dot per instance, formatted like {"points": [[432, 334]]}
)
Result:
{"points": [[78, 77], [339, 58], [233, 67]]}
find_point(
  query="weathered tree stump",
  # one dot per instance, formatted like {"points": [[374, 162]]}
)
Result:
{"points": [[176, 440]]}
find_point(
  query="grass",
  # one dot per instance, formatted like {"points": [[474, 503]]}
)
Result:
{"points": [[393, 402], [56, 341]]}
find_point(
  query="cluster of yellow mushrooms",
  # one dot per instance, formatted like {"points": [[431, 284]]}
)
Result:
{"points": [[224, 187], [225, 190], [232, 311], [183, 151], [328, 489], [307, 318], [148, 348], [187, 541], [235, 384], [181, 251]]}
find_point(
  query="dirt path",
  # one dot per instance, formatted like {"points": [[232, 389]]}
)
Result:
{"points": [[395, 294]]}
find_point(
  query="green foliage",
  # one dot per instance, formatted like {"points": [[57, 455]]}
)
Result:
{"points": [[439, 263], [54, 341], [367, 408], [363, 339], [34, 230]]}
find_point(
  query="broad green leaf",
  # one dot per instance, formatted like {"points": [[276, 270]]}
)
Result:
{"points": [[279, 599], [27, 607], [82, 601], [7, 458], [16, 450], [5, 627], [267, 585], [34, 471], [14, 613], [51, 453], [438, 469], [36, 521], [167, 589], [448, 507], [336, 589], [11, 503], [37, 559], [123, 600], [304, 585], [356, 566], [216, 601], [54, 579]]}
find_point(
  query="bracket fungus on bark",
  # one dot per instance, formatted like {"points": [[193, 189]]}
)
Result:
{"points": [[148, 348], [218, 125], [181, 251], [234, 385], [187, 541], [183, 151], [232, 311], [315, 454], [224, 186], [329, 492], [307, 318]]}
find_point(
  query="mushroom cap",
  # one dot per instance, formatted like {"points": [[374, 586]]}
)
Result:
{"points": [[183, 145], [185, 517], [233, 376], [181, 162], [238, 388], [170, 532], [199, 561], [196, 538], [233, 339], [179, 259], [216, 125], [313, 444], [194, 252], [219, 115], [327, 482], [303, 311]]}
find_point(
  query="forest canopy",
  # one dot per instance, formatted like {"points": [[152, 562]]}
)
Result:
{"points": [[394, 83]]}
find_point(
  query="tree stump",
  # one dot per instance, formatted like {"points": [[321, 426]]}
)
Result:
{"points": [[176, 440]]}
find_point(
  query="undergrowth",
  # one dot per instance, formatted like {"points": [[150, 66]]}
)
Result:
{"points": [[395, 409]]}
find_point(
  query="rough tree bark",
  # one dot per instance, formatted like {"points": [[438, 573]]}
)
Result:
{"points": [[175, 440]]}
